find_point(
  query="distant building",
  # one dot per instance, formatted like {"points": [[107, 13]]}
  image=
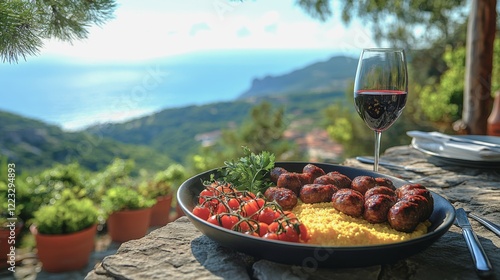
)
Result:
{"points": [[316, 144], [208, 139]]}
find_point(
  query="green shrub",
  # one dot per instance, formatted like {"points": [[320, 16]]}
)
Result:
{"points": [[124, 198], [68, 214], [11, 208]]}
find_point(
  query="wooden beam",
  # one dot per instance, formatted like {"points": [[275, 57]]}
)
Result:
{"points": [[479, 62]]}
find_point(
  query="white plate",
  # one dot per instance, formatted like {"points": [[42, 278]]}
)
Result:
{"points": [[458, 154]]}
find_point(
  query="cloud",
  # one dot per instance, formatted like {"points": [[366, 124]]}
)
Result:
{"points": [[243, 32], [141, 32], [198, 27]]}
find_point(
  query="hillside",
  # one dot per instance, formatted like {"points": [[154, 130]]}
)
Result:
{"points": [[304, 93], [334, 74], [171, 135], [173, 131], [33, 145]]}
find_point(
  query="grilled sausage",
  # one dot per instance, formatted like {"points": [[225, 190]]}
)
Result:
{"points": [[314, 170], [381, 190], [286, 198], [405, 188], [290, 181], [376, 208], [363, 183], [380, 181], [276, 172], [341, 180], [324, 180], [404, 216], [305, 178], [424, 207], [348, 201], [315, 193]]}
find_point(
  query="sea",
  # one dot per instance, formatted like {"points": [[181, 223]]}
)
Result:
{"points": [[77, 94]]}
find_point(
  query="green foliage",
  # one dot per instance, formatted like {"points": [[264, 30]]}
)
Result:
{"points": [[48, 186], [36, 146], [24, 24], [249, 172], [124, 198], [67, 215], [443, 102], [495, 75], [5, 211], [116, 173], [397, 21], [164, 182]]}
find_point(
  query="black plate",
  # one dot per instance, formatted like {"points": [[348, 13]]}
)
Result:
{"points": [[313, 255]]}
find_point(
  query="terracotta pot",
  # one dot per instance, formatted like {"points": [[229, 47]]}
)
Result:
{"points": [[126, 225], [6, 243], [160, 212], [65, 252], [179, 212]]}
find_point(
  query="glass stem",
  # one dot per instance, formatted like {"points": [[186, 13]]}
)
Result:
{"points": [[378, 134]]}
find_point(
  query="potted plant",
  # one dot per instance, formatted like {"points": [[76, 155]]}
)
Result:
{"points": [[162, 188], [64, 232], [128, 213]]}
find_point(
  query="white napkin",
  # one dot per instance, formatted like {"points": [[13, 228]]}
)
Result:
{"points": [[457, 147]]}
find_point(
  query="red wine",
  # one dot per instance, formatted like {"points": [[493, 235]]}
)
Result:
{"points": [[379, 108]]}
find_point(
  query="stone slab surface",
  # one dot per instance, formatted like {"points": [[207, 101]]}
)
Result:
{"points": [[180, 251]]}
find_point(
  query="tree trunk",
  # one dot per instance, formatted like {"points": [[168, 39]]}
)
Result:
{"points": [[479, 61]]}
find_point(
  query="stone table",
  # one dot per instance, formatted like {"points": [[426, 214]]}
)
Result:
{"points": [[180, 251]]}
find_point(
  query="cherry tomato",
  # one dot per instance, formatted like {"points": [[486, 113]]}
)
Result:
{"points": [[289, 234], [268, 215], [214, 219], [304, 235], [291, 216], [270, 235], [225, 189], [249, 208], [201, 212], [252, 233], [221, 208], [274, 227], [204, 193], [233, 203], [263, 228], [247, 225], [228, 221], [260, 202]]}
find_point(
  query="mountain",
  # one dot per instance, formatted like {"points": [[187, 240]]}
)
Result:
{"points": [[33, 146], [174, 132], [334, 74]]}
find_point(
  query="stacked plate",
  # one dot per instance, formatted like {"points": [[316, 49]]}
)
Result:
{"points": [[465, 150]]}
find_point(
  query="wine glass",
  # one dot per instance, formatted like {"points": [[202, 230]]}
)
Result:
{"points": [[380, 90]]}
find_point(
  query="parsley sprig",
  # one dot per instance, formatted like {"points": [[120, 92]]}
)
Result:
{"points": [[249, 172]]}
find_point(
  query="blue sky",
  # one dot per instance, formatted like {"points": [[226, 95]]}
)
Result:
{"points": [[197, 44], [158, 28]]}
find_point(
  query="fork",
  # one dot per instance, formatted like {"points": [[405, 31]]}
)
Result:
{"points": [[488, 224]]}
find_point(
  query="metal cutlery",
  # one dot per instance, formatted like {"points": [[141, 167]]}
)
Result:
{"points": [[370, 160], [481, 261], [437, 136], [488, 224]]}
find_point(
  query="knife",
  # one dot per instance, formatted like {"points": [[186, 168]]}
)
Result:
{"points": [[370, 160], [383, 163], [490, 225], [483, 265]]}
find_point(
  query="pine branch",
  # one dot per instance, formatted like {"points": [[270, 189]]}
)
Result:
{"points": [[24, 23]]}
